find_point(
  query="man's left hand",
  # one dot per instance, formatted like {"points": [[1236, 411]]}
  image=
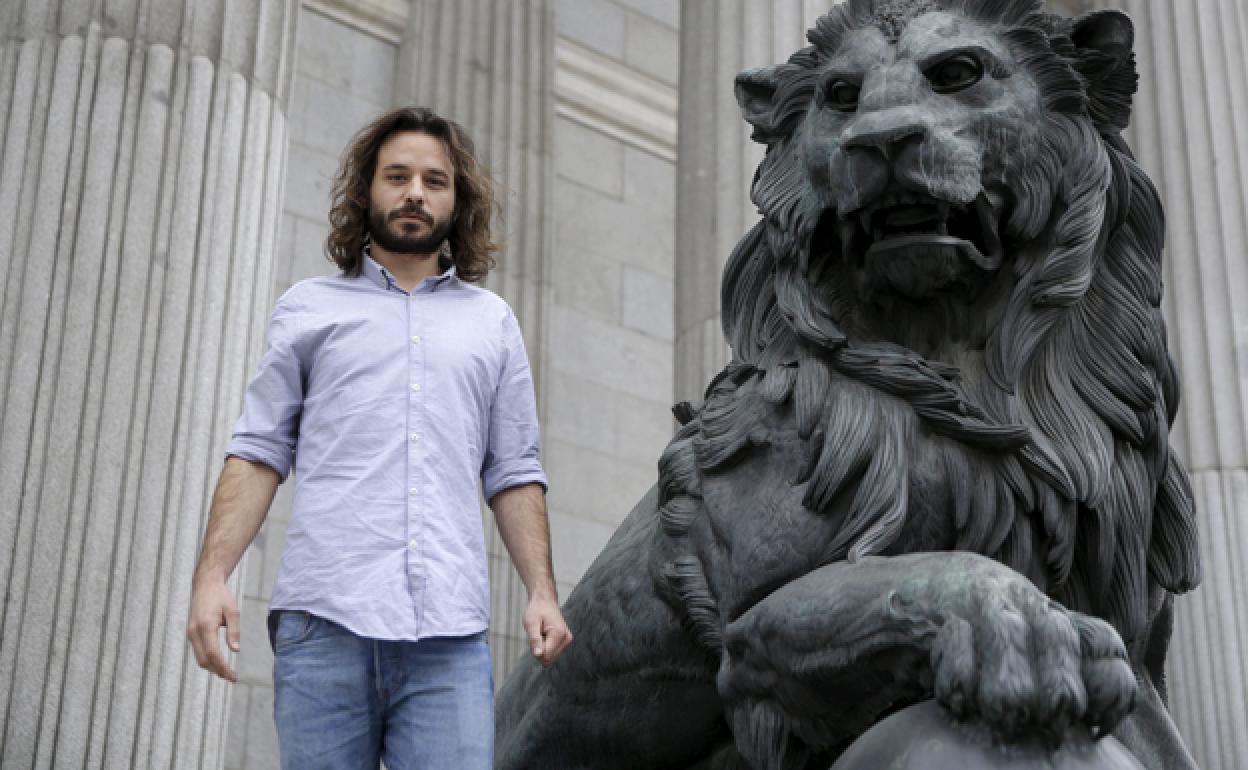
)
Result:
{"points": [[548, 633]]}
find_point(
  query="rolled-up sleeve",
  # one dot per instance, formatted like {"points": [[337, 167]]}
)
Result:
{"points": [[512, 455], [269, 426]]}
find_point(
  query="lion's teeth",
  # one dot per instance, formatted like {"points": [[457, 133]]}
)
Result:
{"points": [[847, 232], [864, 220], [988, 230], [992, 241]]}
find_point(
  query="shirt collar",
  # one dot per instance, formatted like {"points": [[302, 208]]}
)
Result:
{"points": [[379, 275]]}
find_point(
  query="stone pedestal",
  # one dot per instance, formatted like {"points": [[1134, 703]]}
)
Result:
{"points": [[1187, 131], [489, 65], [140, 182]]}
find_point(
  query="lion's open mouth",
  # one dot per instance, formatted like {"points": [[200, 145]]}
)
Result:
{"points": [[904, 223]]}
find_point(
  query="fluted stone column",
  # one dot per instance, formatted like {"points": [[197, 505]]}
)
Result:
{"points": [[140, 176], [1190, 116], [489, 65], [716, 161]]}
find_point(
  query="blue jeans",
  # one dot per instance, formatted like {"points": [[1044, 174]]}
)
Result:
{"points": [[343, 701]]}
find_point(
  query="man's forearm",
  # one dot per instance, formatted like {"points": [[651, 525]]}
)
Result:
{"points": [[239, 504], [521, 515], [522, 522]]}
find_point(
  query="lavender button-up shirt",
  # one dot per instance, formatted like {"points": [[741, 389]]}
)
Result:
{"points": [[390, 406]]}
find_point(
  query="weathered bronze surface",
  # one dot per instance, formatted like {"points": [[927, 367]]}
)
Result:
{"points": [[938, 465]]}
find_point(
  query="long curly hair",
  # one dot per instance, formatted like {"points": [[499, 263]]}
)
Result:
{"points": [[471, 244]]}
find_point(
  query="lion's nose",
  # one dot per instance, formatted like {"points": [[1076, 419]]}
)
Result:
{"points": [[886, 139]]}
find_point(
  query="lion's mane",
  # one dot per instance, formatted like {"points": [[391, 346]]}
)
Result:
{"points": [[1053, 438]]}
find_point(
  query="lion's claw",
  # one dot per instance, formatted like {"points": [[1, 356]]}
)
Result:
{"points": [[953, 664], [1009, 657], [1107, 675]]}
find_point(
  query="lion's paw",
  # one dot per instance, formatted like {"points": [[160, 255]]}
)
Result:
{"points": [[1012, 658]]}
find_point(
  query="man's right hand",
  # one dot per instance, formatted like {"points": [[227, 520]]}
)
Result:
{"points": [[243, 496], [213, 606]]}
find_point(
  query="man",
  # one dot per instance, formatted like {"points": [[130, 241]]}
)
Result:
{"points": [[392, 388]]}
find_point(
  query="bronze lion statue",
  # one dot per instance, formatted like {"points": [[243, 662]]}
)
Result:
{"points": [[937, 465]]}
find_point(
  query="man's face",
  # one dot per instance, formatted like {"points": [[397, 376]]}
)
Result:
{"points": [[412, 197]]}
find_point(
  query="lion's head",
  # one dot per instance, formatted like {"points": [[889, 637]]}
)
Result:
{"points": [[951, 218]]}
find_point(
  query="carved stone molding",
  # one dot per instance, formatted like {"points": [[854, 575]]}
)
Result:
{"points": [[607, 96], [383, 19]]}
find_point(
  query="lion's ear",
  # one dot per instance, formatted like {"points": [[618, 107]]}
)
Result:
{"points": [[1106, 60], [756, 93]]}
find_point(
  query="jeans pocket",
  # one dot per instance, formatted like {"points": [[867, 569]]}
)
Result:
{"points": [[293, 627]]}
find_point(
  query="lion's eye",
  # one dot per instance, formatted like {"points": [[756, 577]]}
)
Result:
{"points": [[955, 74], [841, 95]]}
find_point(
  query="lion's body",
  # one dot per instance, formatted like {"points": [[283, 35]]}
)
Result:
{"points": [[947, 346]]}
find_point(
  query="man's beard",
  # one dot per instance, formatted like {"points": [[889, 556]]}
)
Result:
{"points": [[393, 240]]}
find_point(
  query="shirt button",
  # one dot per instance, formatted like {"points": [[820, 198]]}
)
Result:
{"points": [[415, 339], [415, 387], [413, 491], [415, 437], [411, 544]]}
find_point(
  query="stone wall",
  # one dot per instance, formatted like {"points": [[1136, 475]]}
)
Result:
{"points": [[609, 357]]}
